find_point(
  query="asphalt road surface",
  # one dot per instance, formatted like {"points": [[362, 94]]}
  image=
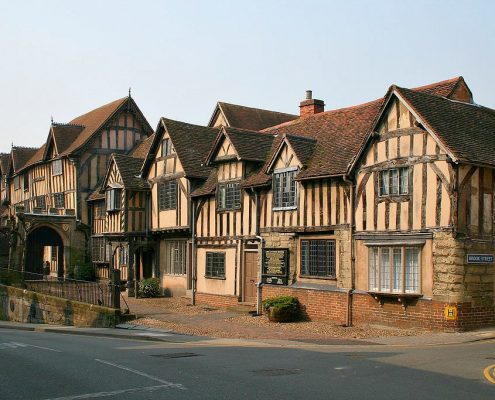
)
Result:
{"points": [[38, 365]]}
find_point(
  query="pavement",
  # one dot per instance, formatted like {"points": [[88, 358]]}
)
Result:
{"points": [[138, 332]]}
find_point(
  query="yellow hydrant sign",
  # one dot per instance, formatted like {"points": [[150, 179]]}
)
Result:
{"points": [[450, 313]]}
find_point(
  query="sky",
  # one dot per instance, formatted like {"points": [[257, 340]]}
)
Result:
{"points": [[62, 59]]}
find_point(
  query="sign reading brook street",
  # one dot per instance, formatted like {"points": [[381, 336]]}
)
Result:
{"points": [[275, 266], [480, 258]]}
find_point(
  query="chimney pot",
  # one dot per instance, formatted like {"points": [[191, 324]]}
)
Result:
{"points": [[310, 106], [309, 94]]}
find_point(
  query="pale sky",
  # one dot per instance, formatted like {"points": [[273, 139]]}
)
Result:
{"points": [[64, 58]]}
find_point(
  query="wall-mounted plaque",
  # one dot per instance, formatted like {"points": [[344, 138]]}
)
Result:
{"points": [[275, 266]]}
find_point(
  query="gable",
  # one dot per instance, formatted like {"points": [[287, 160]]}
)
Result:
{"points": [[217, 119], [284, 157], [225, 150]]}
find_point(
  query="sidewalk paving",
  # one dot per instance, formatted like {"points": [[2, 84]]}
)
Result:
{"points": [[177, 315]]}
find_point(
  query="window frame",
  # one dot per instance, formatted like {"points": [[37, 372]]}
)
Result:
{"points": [[25, 178], [113, 198], [40, 202], [59, 195], [166, 147], [310, 262], [278, 192], [167, 199], [17, 182], [397, 283], [176, 258], [391, 189], [209, 269], [100, 210], [232, 200], [99, 253], [57, 167]]}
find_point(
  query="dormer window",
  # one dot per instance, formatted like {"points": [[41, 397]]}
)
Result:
{"points": [[228, 196], [284, 189], [113, 199], [57, 167], [166, 147], [394, 182]]}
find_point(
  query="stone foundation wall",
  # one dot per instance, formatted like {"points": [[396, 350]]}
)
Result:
{"points": [[20, 305], [456, 281]]}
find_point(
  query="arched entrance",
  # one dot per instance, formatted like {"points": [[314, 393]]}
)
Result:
{"points": [[44, 244]]}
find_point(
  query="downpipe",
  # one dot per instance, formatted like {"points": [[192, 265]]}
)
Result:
{"points": [[259, 310]]}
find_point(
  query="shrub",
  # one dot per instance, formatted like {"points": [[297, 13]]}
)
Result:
{"points": [[84, 272], [149, 287], [283, 308]]}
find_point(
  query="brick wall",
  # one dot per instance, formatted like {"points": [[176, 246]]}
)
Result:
{"points": [[332, 305]]}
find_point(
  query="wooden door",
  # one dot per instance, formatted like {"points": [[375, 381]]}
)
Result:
{"points": [[250, 276]]}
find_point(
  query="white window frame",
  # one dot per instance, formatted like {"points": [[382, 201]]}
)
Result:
{"points": [[279, 191], [57, 167], [113, 199], [384, 277]]}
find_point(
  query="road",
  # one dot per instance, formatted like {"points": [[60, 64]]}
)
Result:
{"points": [[40, 365]]}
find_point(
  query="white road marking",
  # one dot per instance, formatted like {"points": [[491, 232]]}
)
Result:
{"points": [[114, 393], [15, 345], [135, 371]]}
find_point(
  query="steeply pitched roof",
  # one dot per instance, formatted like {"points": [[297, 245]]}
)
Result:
{"points": [[21, 156], [467, 130], [444, 88], [142, 148], [208, 187], [130, 169], [249, 145], [4, 162], [92, 121], [250, 118], [191, 143], [64, 135], [339, 134]]}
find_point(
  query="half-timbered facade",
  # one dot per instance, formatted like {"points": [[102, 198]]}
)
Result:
{"points": [[174, 169], [48, 186]]}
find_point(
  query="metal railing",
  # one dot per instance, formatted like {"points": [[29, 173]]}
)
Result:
{"points": [[101, 294]]}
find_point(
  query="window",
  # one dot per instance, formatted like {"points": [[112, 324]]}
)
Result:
{"points": [[98, 250], [229, 196], [215, 265], [53, 251], [113, 199], [318, 258], [167, 195], [26, 182], [99, 210], [394, 269], [284, 189], [175, 257], [123, 256], [394, 182], [40, 202], [59, 200], [17, 182], [166, 147], [56, 167]]}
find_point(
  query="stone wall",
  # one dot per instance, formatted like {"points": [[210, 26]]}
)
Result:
{"points": [[456, 281], [20, 305]]}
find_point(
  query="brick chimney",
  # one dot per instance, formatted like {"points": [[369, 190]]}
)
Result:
{"points": [[310, 106]]}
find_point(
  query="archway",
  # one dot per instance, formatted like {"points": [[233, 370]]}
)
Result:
{"points": [[44, 244]]}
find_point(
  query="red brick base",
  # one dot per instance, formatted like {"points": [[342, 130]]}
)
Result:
{"points": [[332, 305], [216, 300]]}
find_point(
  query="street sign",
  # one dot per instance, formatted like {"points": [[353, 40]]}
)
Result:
{"points": [[450, 313], [480, 258]]}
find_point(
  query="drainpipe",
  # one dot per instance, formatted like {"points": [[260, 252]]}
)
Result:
{"points": [[348, 321], [193, 252], [259, 310]]}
